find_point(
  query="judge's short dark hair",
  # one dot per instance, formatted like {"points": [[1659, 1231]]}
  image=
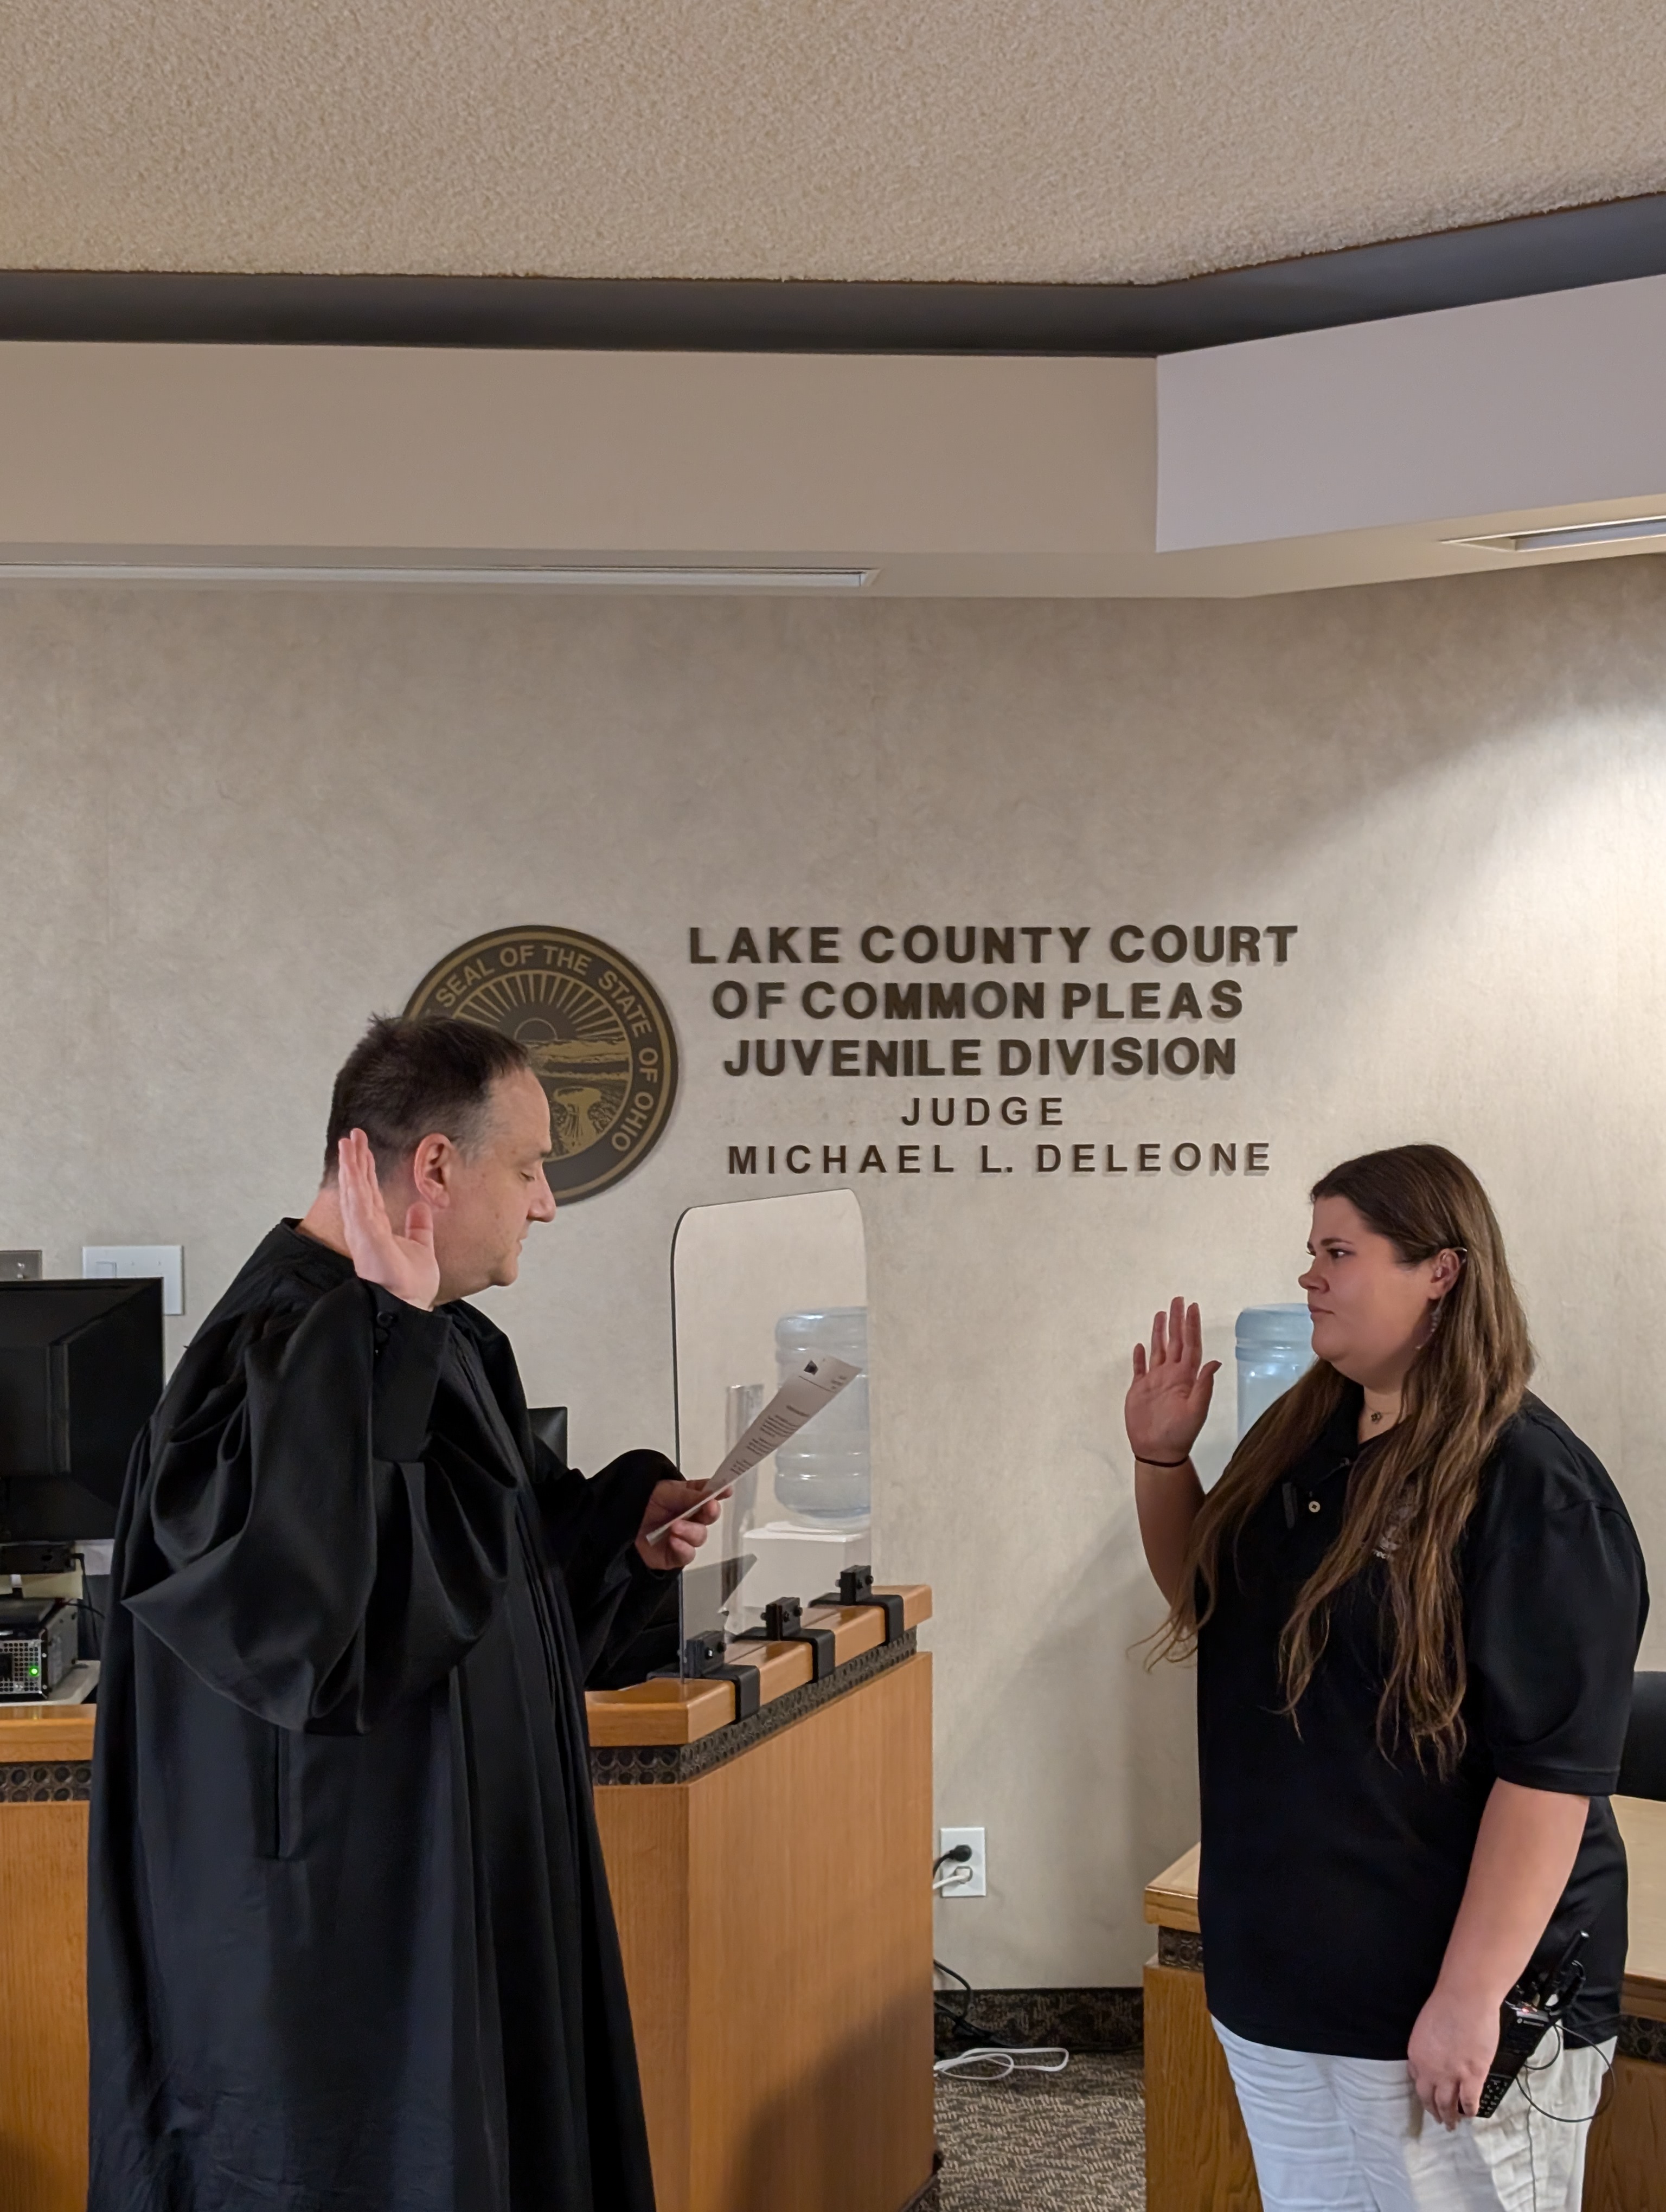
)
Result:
{"points": [[406, 1080]]}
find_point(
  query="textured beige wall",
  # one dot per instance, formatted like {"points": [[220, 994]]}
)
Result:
{"points": [[1073, 142], [230, 826]]}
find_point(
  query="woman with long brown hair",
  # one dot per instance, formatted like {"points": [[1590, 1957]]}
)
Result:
{"points": [[1415, 1598]]}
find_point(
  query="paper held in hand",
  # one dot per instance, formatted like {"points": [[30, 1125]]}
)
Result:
{"points": [[817, 1384]]}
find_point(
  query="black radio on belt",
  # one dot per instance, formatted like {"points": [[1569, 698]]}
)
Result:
{"points": [[1525, 2017]]}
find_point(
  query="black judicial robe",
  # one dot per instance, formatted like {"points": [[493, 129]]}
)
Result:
{"points": [[350, 1942]]}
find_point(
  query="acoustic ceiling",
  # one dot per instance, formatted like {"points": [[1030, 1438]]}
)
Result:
{"points": [[967, 140]]}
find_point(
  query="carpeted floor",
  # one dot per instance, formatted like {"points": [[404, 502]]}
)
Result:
{"points": [[1046, 2142]]}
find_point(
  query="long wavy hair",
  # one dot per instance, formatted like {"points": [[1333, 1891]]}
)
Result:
{"points": [[1409, 1500]]}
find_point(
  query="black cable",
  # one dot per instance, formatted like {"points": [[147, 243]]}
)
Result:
{"points": [[1005, 2058], [956, 2022], [941, 2000], [959, 2023], [1569, 2119], [1597, 2031]]}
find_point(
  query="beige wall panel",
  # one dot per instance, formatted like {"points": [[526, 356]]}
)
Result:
{"points": [[333, 446], [1511, 406], [231, 825]]}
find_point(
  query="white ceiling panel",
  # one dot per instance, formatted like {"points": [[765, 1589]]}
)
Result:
{"points": [[1021, 140]]}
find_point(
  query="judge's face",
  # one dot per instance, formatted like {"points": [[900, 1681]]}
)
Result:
{"points": [[1370, 1307], [488, 1198]]}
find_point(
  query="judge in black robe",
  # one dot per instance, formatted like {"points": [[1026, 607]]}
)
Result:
{"points": [[350, 1946]]}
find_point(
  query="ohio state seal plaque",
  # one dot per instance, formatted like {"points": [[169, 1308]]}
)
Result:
{"points": [[595, 1029]]}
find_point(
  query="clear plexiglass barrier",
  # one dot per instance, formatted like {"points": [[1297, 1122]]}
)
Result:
{"points": [[758, 1289]]}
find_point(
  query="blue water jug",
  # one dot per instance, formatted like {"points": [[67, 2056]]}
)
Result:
{"points": [[1275, 1349], [823, 1472]]}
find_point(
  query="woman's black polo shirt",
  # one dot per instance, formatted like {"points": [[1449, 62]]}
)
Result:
{"points": [[1331, 1873]]}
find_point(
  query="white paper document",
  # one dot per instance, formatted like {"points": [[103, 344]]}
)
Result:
{"points": [[817, 1384]]}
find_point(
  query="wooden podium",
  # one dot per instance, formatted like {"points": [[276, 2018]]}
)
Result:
{"points": [[772, 1882], [1197, 2155], [46, 1773]]}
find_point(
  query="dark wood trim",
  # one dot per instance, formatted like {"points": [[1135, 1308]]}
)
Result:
{"points": [[1094, 2019], [1531, 254]]}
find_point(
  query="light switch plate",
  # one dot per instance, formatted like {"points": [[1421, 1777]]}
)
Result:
{"points": [[116, 1262]]}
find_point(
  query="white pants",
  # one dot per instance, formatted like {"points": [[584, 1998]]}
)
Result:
{"points": [[1348, 2135]]}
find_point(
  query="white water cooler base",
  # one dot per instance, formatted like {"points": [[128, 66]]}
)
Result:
{"points": [[789, 1560]]}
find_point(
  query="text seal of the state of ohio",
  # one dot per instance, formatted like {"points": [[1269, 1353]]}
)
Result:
{"points": [[595, 1029]]}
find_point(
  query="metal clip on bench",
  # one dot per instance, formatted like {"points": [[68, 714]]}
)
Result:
{"points": [[856, 1588], [703, 1659], [783, 1623]]}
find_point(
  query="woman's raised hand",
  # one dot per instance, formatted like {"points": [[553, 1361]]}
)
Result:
{"points": [[1168, 1400]]}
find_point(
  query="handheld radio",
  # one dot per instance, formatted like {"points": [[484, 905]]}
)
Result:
{"points": [[1526, 2015]]}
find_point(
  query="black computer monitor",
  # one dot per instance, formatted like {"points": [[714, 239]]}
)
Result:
{"points": [[81, 1371]]}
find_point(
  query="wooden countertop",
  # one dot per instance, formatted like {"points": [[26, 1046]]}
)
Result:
{"points": [[1171, 1899], [671, 1712], [1171, 1902], [664, 1713], [32, 1733], [1643, 1824]]}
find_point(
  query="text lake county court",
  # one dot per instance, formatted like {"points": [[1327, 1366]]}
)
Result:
{"points": [[889, 997]]}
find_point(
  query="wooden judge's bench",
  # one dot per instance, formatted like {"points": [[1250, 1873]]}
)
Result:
{"points": [[771, 1877], [1197, 2155]]}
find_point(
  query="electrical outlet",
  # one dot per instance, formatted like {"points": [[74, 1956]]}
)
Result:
{"points": [[972, 1873]]}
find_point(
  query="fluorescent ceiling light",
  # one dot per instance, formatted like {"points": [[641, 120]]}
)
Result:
{"points": [[1635, 527], [545, 574]]}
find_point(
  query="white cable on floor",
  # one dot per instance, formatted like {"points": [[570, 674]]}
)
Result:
{"points": [[1006, 2062]]}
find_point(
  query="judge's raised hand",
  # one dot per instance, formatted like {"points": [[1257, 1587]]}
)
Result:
{"points": [[402, 1264], [1168, 1400], [678, 1502]]}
